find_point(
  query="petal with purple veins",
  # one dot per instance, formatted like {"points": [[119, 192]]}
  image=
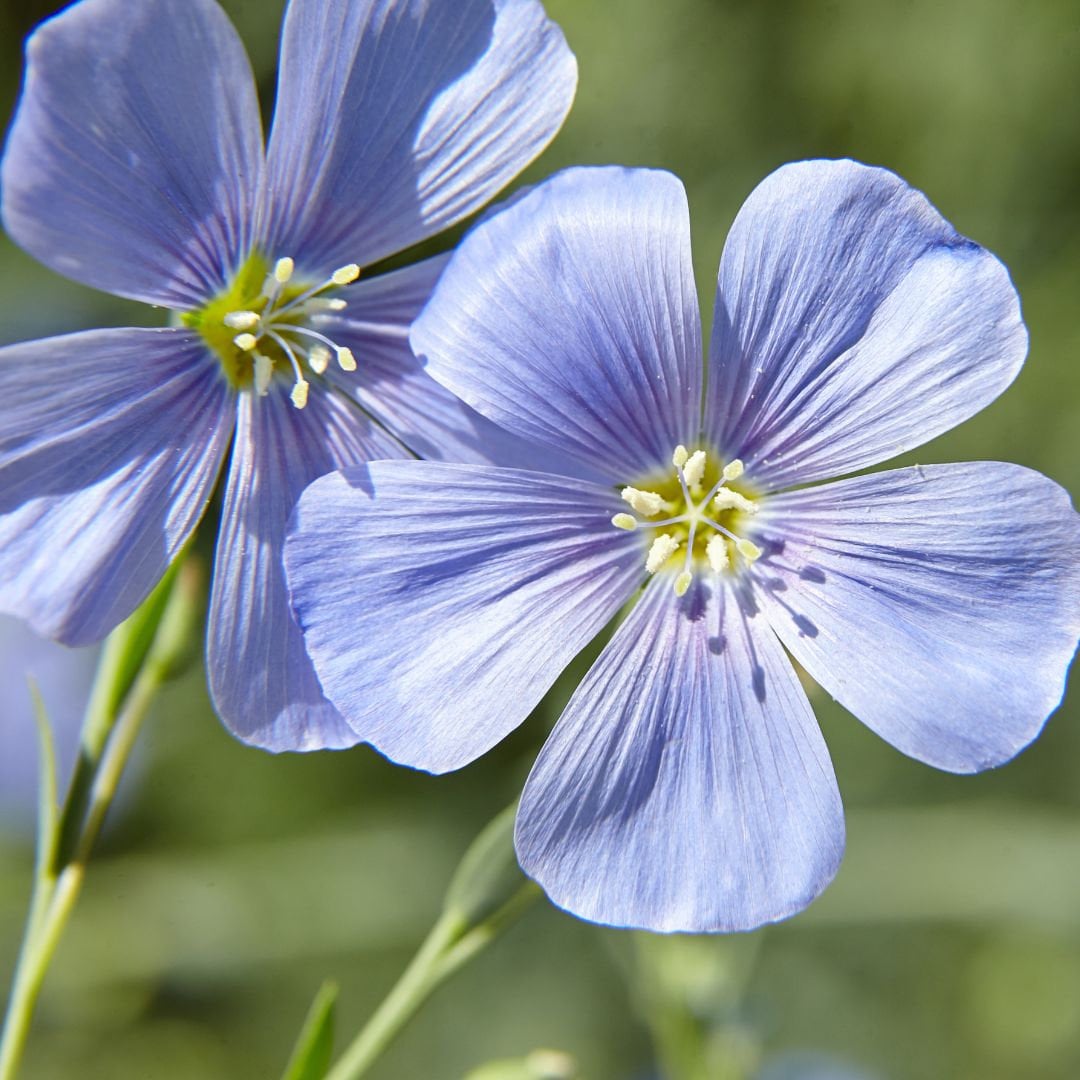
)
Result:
{"points": [[940, 604], [111, 442], [440, 602], [852, 323], [686, 786], [397, 118], [570, 318], [136, 154], [261, 681]]}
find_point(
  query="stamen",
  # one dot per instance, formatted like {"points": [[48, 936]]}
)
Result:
{"points": [[346, 360], [264, 372], [300, 390], [748, 549], [245, 342], [726, 499], [241, 320], [283, 270], [345, 275], [694, 469], [663, 547], [682, 583], [678, 459], [646, 503], [299, 393], [318, 358], [733, 470], [625, 521], [325, 303], [716, 552]]}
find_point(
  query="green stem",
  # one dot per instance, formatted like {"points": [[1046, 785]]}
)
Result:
{"points": [[139, 656], [449, 946]]}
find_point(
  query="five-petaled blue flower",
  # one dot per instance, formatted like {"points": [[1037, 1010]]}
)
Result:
{"points": [[687, 786], [136, 164]]}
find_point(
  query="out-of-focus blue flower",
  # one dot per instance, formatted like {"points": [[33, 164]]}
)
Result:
{"points": [[687, 786], [136, 165], [62, 677]]}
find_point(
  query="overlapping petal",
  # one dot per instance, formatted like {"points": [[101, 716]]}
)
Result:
{"points": [[852, 323], [439, 602], [686, 786], [110, 442], [570, 318], [392, 385], [940, 604], [261, 681], [136, 155], [397, 118]]}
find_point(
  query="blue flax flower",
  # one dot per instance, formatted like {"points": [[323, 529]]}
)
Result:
{"points": [[136, 165], [687, 786]]}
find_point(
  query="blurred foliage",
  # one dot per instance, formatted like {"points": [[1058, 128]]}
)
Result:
{"points": [[233, 882]]}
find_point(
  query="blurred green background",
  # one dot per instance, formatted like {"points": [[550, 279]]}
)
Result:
{"points": [[231, 882]]}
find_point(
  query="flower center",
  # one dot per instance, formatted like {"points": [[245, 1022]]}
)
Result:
{"points": [[261, 325], [697, 514]]}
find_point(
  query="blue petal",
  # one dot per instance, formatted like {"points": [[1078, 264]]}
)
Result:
{"points": [[261, 681], [852, 323], [570, 318], [439, 602], [110, 443], [940, 604], [392, 385], [136, 154], [686, 786], [397, 118]]}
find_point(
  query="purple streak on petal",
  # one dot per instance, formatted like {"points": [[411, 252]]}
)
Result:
{"points": [[940, 604], [392, 385], [852, 323], [111, 442], [136, 154], [570, 318], [686, 786], [440, 602], [397, 118], [261, 681]]}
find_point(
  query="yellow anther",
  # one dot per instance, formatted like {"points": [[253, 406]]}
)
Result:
{"points": [[625, 521], [682, 583], [245, 342], [241, 320], [345, 275], [733, 470], [318, 358], [346, 360], [694, 469], [663, 547], [678, 459], [647, 503], [299, 393], [726, 499], [748, 549], [716, 552], [264, 372], [283, 272]]}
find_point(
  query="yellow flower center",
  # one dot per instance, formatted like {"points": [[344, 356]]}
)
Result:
{"points": [[263, 324], [697, 515]]}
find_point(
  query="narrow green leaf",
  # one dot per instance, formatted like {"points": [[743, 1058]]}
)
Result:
{"points": [[311, 1057]]}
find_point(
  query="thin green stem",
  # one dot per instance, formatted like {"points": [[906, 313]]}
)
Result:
{"points": [[450, 944], [138, 658]]}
